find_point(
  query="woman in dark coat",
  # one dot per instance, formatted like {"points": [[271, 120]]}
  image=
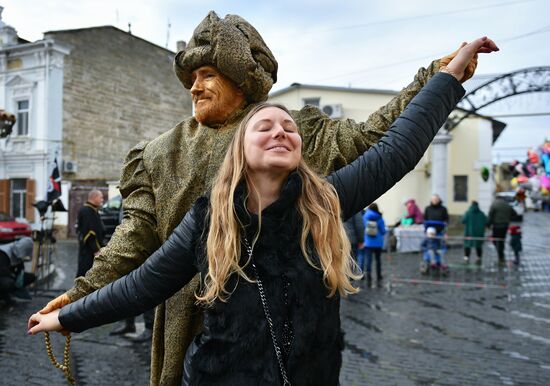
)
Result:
{"points": [[474, 221], [274, 258]]}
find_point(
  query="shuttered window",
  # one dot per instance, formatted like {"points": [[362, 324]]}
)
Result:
{"points": [[5, 196]]}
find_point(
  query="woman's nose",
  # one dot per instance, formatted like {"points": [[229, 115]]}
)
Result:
{"points": [[279, 131]]}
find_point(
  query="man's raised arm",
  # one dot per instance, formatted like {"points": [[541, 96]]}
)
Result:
{"points": [[331, 144]]}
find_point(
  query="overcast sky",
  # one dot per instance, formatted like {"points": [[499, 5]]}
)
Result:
{"points": [[363, 43]]}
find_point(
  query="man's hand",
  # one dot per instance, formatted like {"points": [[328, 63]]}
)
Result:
{"points": [[464, 68], [470, 69], [58, 302]]}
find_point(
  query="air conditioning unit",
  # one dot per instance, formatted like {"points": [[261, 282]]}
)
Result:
{"points": [[70, 166], [333, 110]]}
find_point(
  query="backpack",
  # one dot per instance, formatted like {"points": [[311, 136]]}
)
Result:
{"points": [[372, 228]]}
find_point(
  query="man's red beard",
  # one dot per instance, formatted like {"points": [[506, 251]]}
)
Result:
{"points": [[212, 111], [222, 98]]}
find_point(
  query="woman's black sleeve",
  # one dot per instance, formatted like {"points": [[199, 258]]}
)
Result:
{"points": [[400, 149], [165, 272]]}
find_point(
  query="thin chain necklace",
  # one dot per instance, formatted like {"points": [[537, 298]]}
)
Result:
{"points": [[270, 324]]}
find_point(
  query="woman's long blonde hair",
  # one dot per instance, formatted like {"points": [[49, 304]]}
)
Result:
{"points": [[319, 208]]}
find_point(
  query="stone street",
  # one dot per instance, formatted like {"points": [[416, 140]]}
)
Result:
{"points": [[477, 326], [485, 326]]}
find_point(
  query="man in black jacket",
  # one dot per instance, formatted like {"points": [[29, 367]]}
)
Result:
{"points": [[500, 215], [90, 232], [436, 212]]}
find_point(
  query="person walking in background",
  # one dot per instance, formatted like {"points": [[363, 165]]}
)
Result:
{"points": [[500, 215], [355, 230], [375, 228], [474, 221], [413, 211], [90, 232]]}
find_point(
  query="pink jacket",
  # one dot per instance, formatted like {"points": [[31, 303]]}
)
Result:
{"points": [[414, 212]]}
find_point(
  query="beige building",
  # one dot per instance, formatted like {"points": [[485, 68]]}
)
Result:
{"points": [[451, 166]]}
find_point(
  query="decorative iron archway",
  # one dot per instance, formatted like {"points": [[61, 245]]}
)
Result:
{"points": [[527, 80]]}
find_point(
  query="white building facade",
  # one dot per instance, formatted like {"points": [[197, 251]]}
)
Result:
{"points": [[31, 88]]}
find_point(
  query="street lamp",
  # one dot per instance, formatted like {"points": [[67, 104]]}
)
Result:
{"points": [[7, 121]]}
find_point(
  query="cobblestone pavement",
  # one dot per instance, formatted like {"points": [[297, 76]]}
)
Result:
{"points": [[97, 358], [488, 326]]}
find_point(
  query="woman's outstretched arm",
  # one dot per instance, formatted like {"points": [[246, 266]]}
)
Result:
{"points": [[383, 165], [162, 275]]}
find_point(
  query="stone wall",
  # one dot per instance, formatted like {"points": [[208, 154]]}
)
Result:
{"points": [[118, 90]]}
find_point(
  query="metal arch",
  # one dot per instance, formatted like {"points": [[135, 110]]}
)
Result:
{"points": [[527, 80]]}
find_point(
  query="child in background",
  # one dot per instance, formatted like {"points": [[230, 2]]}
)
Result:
{"points": [[433, 247]]}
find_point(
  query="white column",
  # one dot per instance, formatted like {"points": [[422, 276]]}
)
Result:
{"points": [[439, 163]]}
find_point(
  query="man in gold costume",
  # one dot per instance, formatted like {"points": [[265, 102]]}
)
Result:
{"points": [[228, 68]]}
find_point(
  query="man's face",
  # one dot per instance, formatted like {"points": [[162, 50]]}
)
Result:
{"points": [[435, 200], [97, 200], [215, 97]]}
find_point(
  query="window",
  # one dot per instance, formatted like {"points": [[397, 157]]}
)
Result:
{"points": [[22, 118], [18, 197], [312, 102], [461, 188]]}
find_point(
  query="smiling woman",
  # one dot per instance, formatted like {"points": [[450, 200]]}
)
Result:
{"points": [[272, 143]]}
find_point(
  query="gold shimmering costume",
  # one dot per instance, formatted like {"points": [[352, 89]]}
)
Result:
{"points": [[162, 178]]}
